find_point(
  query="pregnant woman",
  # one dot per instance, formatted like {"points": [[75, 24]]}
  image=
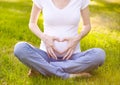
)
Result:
{"points": [[59, 52]]}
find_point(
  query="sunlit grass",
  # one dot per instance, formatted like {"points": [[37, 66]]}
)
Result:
{"points": [[113, 1], [105, 33], [96, 3]]}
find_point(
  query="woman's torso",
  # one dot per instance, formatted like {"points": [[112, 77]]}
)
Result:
{"points": [[61, 22]]}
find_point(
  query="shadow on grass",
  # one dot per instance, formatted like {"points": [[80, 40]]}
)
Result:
{"points": [[14, 19], [106, 14], [54, 80], [21, 6], [104, 6]]}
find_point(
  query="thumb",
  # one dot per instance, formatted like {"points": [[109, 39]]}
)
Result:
{"points": [[56, 38], [65, 39]]}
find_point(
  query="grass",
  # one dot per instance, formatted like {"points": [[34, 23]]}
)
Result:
{"points": [[105, 33]]}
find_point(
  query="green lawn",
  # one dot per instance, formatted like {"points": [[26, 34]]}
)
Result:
{"points": [[105, 33]]}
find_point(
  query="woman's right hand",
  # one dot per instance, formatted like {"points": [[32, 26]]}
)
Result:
{"points": [[49, 43]]}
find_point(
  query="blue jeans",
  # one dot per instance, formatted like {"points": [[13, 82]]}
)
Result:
{"points": [[38, 59]]}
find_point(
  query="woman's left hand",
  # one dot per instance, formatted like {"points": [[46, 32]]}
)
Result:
{"points": [[72, 43]]}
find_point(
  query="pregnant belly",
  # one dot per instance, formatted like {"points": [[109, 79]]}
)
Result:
{"points": [[60, 47]]}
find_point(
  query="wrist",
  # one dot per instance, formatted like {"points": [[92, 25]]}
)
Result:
{"points": [[42, 36], [78, 38]]}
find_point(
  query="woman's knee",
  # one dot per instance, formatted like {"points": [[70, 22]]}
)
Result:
{"points": [[99, 55], [19, 48]]}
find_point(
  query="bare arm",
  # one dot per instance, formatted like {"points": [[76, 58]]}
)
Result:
{"points": [[73, 41], [33, 21], [86, 23], [48, 40]]}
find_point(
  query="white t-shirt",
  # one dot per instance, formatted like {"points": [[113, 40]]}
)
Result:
{"points": [[61, 22]]}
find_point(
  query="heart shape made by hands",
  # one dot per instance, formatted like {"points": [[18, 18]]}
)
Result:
{"points": [[60, 47]]}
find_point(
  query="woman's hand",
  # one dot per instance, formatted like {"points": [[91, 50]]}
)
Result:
{"points": [[49, 43], [72, 43]]}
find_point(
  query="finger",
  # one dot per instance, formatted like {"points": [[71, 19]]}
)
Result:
{"points": [[53, 54], [66, 54], [65, 39], [69, 55], [48, 53], [57, 39]]}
